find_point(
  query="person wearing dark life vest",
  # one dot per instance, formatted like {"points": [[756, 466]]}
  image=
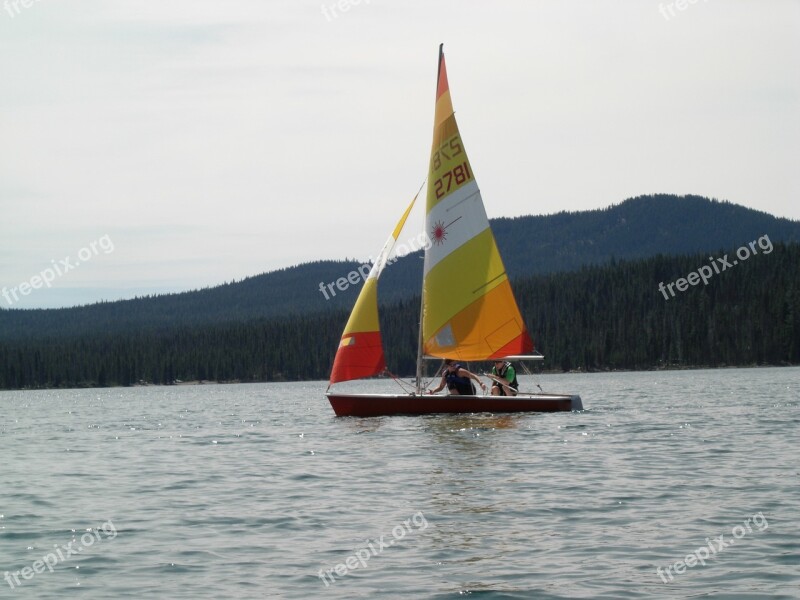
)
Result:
{"points": [[458, 380], [503, 371]]}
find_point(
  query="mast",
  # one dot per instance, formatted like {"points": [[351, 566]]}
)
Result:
{"points": [[419, 348], [421, 341]]}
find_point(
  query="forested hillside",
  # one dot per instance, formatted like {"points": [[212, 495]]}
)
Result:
{"points": [[600, 317], [637, 228]]}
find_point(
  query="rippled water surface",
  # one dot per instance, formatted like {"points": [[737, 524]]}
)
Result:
{"points": [[253, 491]]}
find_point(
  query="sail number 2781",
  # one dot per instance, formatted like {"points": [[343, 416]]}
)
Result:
{"points": [[458, 174]]}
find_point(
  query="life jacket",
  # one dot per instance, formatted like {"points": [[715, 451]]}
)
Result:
{"points": [[502, 373], [462, 384]]}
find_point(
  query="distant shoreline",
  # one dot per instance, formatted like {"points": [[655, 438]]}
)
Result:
{"points": [[544, 372]]}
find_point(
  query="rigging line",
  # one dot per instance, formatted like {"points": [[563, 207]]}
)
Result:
{"points": [[529, 372], [397, 380]]}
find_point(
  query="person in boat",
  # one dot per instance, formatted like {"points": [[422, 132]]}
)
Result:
{"points": [[504, 377], [458, 380]]}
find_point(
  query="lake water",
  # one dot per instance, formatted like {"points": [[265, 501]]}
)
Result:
{"points": [[254, 491]]}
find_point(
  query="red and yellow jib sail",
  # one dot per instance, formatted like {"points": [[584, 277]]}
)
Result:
{"points": [[469, 311], [360, 352]]}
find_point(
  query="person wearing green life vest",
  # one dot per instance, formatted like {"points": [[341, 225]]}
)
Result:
{"points": [[504, 377]]}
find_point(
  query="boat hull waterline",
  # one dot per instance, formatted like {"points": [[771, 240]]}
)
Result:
{"points": [[374, 405]]}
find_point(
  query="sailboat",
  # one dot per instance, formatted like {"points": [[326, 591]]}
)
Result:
{"points": [[468, 311]]}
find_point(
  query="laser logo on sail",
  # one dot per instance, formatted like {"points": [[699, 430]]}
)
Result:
{"points": [[439, 233]]}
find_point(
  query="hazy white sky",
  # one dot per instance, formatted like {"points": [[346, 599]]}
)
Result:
{"points": [[209, 141]]}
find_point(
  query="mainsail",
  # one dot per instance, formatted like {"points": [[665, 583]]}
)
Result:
{"points": [[360, 352], [469, 311]]}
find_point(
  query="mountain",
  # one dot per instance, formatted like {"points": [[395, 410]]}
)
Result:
{"points": [[636, 228]]}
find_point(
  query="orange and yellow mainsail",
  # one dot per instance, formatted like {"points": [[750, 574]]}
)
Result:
{"points": [[469, 311], [360, 352]]}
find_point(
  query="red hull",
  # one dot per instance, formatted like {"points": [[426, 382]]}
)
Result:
{"points": [[373, 405]]}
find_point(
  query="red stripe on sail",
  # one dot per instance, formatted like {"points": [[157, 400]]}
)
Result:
{"points": [[360, 355], [522, 344], [441, 80]]}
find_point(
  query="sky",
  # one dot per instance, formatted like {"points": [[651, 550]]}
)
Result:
{"points": [[153, 147]]}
